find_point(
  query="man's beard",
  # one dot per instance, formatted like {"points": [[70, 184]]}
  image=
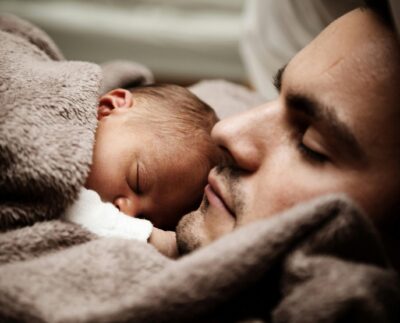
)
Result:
{"points": [[190, 232]]}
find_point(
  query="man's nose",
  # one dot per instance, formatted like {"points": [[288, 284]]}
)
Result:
{"points": [[241, 137], [127, 205]]}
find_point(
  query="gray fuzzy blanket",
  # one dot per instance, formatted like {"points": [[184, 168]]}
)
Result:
{"points": [[318, 262]]}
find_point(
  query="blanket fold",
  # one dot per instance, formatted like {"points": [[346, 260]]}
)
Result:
{"points": [[47, 121], [272, 270], [321, 261]]}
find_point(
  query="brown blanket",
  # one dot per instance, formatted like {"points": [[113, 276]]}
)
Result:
{"points": [[319, 262]]}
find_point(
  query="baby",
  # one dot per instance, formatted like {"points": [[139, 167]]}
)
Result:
{"points": [[151, 158]]}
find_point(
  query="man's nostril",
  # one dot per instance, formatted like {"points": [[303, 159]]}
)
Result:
{"points": [[226, 159]]}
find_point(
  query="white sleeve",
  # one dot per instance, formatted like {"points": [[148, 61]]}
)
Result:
{"points": [[104, 219]]}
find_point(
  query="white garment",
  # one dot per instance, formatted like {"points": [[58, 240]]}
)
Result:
{"points": [[104, 219], [275, 30]]}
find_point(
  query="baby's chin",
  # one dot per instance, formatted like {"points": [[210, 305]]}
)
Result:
{"points": [[190, 233]]}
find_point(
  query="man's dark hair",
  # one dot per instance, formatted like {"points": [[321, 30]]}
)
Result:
{"points": [[382, 9]]}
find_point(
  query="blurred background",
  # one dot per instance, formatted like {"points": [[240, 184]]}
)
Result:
{"points": [[184, 41], [181, 41]]}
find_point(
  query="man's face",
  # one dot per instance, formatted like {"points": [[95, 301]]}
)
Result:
{"points": [[335, 127], [142, 173]]}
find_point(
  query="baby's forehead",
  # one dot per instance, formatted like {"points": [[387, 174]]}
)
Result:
{"points": [[197, 150], [185, 146]]}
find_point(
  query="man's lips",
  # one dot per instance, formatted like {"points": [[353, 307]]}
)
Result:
{"points": [[215, 196]]}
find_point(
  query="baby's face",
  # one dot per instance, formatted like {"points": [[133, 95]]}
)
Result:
{"points": [[142, 174]]}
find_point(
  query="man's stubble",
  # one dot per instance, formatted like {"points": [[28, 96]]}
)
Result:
{"points": [[190, 233]]}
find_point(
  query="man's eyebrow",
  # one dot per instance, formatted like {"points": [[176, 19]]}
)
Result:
{"points": [[277, 79], [326, 115]]}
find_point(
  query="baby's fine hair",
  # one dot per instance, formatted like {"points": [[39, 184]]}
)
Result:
{"points": [[174, 110], [169, 100]]}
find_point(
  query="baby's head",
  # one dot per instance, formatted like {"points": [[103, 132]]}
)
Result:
{"points": [[153, 152]]}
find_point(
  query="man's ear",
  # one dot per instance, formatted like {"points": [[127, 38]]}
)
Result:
{"points": [[117, 100]]}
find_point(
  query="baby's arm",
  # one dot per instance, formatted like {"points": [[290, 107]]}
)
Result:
{"points": [[164, 242], [105, 220]]}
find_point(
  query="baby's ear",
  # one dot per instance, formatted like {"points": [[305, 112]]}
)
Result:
{"points": [[118, 100]]}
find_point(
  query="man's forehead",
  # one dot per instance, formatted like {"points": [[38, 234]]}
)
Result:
{"points": [[352, 69], [356, 39], [355, 53]]}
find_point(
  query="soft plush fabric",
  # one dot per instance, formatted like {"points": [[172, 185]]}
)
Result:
{"points": [[47, 121], [321, 261]]}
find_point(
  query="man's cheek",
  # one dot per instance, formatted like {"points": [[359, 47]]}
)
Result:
{"points": [[273, 195]]}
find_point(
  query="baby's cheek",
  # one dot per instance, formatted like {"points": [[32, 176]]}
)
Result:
{"points": [[194, 194], [93, 180], [105, 182]]}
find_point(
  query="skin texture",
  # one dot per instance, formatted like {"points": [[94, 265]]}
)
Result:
{"points": [[137, 170], [284, 153]]}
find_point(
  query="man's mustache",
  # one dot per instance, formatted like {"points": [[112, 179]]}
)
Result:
{"points": [[230, 174], [228, 167]]}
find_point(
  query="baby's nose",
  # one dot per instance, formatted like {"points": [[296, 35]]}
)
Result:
{"points": [[127, 206]]}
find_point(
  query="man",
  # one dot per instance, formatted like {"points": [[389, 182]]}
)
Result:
{"points": [[268, 41], [333, 128]]}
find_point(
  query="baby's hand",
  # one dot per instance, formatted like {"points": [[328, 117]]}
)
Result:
{"points": [[164, 242]]}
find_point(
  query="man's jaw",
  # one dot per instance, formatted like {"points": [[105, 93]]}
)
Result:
{"points": [[216, 208], [190, 233]]}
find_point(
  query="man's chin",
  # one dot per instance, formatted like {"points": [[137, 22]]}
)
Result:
{"points": [[190, 233]]}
